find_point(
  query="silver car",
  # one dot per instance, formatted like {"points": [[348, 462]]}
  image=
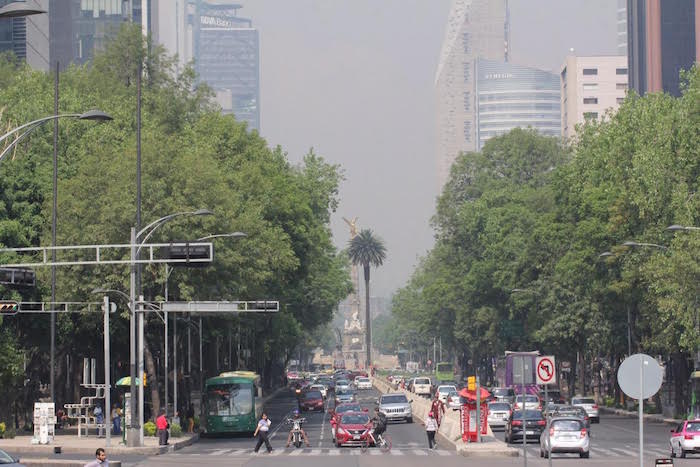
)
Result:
{"points": [[396, 407], [589, 405], [498, 414], [565, 435]]}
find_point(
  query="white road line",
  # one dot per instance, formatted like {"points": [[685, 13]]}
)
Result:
{"points": [[442, 452], [296, 452], [396, 452], [375, 452], [219, 452], [276, 452], [334, 452], [623, 452], [315, 452], [420, 452]]}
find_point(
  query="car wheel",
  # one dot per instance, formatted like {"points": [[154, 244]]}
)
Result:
{"points": [[545, 454], [541, 453], [409, 420], [673, 452], [585, 455]]}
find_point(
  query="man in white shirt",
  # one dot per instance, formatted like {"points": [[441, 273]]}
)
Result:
{"points": [[100, 459]]}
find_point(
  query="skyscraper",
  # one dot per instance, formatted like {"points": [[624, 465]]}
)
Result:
{"points": [[27, 37], [622, 27], [475, 29], [663, 38]]}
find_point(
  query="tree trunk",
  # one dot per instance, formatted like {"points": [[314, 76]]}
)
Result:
{"points": [[152, 381], [368, 321]]}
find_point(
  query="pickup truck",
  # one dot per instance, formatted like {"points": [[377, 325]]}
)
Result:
{"points": [[422, 386]]}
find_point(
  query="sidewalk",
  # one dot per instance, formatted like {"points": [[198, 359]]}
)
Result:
{"points": [[71, 444], [657, 418]]}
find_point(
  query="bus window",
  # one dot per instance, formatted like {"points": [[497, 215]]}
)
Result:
{"points": [[229, 399]]}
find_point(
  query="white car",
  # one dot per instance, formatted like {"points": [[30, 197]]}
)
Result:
{"points": [[589, 405], [320, 388], [363, 382], [498, 415], [444, 390], [422, 386], [685, 438], [343, 385], [532, 402], [565, 435]]}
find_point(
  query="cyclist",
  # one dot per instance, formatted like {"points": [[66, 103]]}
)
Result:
{"points": [[303, 433], [379, 422]]}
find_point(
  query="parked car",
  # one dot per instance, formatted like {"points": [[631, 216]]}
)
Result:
{"points": [[573, 411], [566, 434], [422, 386], [498, 414], [685, 438], [311, 400], [363, 382], [528, 423], [320, 388], [9, 461], [590, 405], [454, 401], [532, 402], [504, 394], [352, 429], [443, 390], [396, 407], [344, 396]]}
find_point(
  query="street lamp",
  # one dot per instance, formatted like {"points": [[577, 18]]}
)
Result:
{"points": [[18, 10], [632, 243], [135, 432], [676, 227], [21, 133]]}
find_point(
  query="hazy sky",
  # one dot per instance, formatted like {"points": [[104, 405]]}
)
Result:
{"points": [[354, 80]]}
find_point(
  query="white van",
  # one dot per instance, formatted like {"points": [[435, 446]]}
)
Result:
{"points": [[422, 386]]}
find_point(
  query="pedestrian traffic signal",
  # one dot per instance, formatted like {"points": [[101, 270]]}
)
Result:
{"points": [[190, 252], [8, 307], [471, 383]]}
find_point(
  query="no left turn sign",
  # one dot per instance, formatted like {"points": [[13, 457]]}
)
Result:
{"points": [[546, 370]]}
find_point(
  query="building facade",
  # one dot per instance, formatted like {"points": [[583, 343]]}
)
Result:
{"points": [[590, 87], [28, 37], [622, 27], [663, 39], [512, 96], [475, 29]]}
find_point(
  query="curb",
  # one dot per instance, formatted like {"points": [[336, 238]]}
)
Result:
{"points": [[647, 417], [61, 463]]}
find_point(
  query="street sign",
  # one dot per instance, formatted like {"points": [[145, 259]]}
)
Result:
{"points": [[640, 374], [546, 370], [8, 308]]}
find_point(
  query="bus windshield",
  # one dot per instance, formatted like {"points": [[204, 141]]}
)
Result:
{"points": [[230, 399], [444, 368]]}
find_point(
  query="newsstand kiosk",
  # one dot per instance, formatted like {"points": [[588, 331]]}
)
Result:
{"points": [[468, 414]]}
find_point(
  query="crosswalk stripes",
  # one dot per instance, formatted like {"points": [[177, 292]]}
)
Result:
{"points": [[600, 452], [321, 452]]}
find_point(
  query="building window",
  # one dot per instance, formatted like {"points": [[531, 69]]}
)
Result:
{"points": [[590, 71], [467, 71], [590, 86], [468, 132], [621, 86], [590, 100], [620, 100], [467, 101], [465, 43], [620, 71], [590, 115]]}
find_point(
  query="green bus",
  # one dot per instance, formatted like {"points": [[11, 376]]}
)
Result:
{"points": [[232, 403], [444, 371]]}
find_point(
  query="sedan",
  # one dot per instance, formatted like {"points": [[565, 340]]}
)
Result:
{"points": [[8, 460], [352, 429], [320, 388], [311, 400], [340, 410], [532, 402], [565, 435], [344, 397], [498, 414], [572, 411], [685, 438], [528, 423], [443, 390], [589, 404], [454, 401], [363, 382], [343, 385]]}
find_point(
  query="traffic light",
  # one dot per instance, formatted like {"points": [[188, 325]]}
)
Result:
{"points": [[471, 383], [189, 252], [8, 308], [263, 305], [17, 277]]}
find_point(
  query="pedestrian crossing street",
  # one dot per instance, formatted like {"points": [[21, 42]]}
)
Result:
{"points": [[321, 452], [629, 451]]}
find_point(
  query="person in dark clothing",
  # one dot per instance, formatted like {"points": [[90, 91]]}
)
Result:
{"points": [[262, 431]]}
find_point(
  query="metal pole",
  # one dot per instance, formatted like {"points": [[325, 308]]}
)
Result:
{"points": [[478, 410], [201, 368], [522, 410], [53, 235], [165, 315], [629, 332], [108, 400], [547, 427], [138, 166], [641, 412], [167, 277], [133, 437], [142, 343]]}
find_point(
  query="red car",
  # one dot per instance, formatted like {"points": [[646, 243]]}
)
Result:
{"points": [[340, 410], [311, 400], [352, 429]]}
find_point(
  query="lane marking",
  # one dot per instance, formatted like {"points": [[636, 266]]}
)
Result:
{"points": [[219, 452], [334, 452], [276, 452], [315, 452], [420, 452], [396, 453], [375, 452], [442, 452], [296, 452]]}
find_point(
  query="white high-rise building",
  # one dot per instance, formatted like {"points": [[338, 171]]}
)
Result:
{"points": [[475, 29], [622, 27]]}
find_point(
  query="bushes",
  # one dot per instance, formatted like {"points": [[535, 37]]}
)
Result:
{"points": [[149, 429], [175, 430], [6, 432]]}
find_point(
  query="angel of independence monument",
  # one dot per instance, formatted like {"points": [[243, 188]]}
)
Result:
{"points": [[354, 351]]}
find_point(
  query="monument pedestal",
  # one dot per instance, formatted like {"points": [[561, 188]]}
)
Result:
{"points": [[354, 349]]}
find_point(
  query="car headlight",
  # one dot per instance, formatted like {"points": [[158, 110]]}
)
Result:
{"points": [[341, 431]]}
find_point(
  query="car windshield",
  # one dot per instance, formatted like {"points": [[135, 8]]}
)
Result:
{"points": [[446, 389], [5, 458], [342, 382], [584, 401], [499, 406], [568, 410], [362, 379], [313, 395], [529, 415], [355, 419], [566, 425], [422, 381], [528, 398], [692, 426], [348, 408], [502, 392], [397, 399]]}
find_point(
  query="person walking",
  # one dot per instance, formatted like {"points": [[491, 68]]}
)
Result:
{"points": [[116, 419], [431, 428], [99, 420], [261, 432], [190, 419], [162, 425], [100, 459], [438, 408]]}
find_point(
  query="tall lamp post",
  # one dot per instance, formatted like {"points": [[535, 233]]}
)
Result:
{"points": [[20, 133], [135, 432]]}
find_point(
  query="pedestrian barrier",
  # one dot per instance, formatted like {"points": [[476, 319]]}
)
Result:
{"points": [[81, 411]]}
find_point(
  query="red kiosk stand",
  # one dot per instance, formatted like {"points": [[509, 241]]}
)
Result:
{"points": [[468, 414]]}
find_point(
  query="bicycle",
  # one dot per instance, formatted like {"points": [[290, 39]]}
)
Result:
{"points": [[383, 442]]}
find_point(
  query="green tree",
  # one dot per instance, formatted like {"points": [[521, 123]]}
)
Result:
{"points": [[368, 250]]}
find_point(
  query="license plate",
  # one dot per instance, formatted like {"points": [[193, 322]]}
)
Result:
{"points": [[356, 437], [529, 432]]}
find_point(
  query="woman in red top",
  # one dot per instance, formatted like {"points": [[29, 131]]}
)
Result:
{"points": [[162, 425]]}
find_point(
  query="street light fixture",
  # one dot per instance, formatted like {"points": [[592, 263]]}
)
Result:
{"points": [[632, 243], [232, 234], [676, 227], [18, 10]]}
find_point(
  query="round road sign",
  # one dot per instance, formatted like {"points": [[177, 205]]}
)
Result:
{"points": [[640, 374], [545, 370]]}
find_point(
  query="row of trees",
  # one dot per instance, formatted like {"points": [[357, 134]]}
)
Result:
{"points": [[193, 157], [521, 225]]}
